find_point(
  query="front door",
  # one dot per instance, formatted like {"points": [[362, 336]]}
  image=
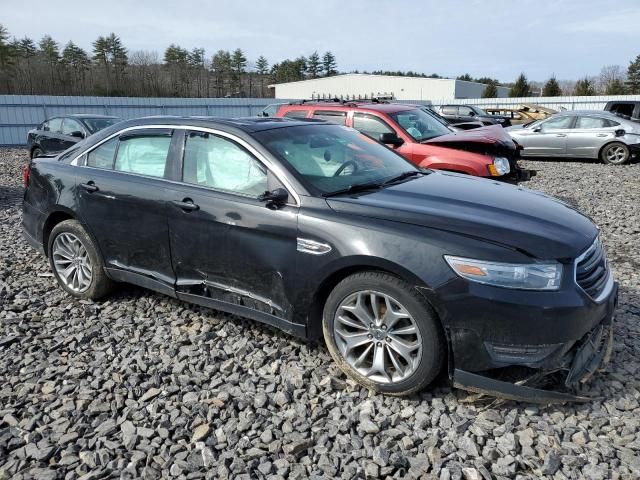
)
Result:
{"points": [[547, 139], [122, 198], [230, 250], [373, 126]]}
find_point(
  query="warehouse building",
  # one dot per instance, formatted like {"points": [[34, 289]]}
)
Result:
{"points": [[399, 88]]}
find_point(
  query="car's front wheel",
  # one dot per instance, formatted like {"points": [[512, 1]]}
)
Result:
{"points": [[75, 262], [383, 333], [36, 152], [615, 153]]}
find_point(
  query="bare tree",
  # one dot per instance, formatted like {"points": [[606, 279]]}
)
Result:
{"points": [[611, 76]]}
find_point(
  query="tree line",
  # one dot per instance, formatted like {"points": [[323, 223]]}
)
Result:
{"points": [[47, 68]]}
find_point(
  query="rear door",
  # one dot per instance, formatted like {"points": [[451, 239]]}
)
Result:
{"points": [[548, 138], [122, 196], [229, 249], [589, 135]]}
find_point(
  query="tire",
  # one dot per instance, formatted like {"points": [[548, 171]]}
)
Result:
{"points": [[69, 243], [615, 153], [36, 152], [426, 360]]}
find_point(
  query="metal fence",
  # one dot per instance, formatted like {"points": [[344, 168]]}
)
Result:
{"points": [[557, 103], [19, 113]]}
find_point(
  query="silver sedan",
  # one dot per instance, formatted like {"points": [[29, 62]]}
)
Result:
{"points": [[580, 134]]}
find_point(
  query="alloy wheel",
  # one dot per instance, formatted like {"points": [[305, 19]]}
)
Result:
{"points": [[616, 154], [377, 336], [72, 262]]}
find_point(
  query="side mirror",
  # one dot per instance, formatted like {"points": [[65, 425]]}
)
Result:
{"points": [[537, 129], [390, 138], [77, 134], [472, 113], [620, 133], [275, 197]]}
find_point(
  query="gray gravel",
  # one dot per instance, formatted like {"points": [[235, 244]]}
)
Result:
{"points": [[145, 386]]}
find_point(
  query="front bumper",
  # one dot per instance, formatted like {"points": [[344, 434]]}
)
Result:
{"points": [[581, 362], [492, 331]]}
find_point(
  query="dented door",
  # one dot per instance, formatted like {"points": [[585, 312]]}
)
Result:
{"points": [[228, 248]]}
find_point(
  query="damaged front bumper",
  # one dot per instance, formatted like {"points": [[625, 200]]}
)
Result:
{"points": [[586, 357]]}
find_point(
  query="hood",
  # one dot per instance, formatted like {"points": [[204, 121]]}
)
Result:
{"points": [[491, 139], [500, 213]]}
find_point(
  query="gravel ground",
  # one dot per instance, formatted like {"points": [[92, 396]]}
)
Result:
{"points": [[145, 386]]}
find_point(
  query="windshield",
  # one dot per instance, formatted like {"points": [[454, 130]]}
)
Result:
{"points": [[478, 110], [329, 158], [419, 124], [96, 124]]}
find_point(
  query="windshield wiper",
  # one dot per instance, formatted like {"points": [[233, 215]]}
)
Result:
{"points": [[402, 176], [358, 187]]}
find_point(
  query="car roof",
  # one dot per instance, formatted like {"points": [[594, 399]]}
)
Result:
{"points": [[248, 124], [355, 104], [85, 115], [598, 113]]}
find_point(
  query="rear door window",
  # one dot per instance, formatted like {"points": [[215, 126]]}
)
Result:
{"points": [[370, 125], [143, 154], [331, 116], [592, 122]]}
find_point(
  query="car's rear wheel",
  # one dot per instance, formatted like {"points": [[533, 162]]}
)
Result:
{"points": [[36, 152], [75, 262], [383, 333], [615, 153]]}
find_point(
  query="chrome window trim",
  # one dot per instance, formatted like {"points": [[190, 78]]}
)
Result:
{"points": [[275, 169], [606, 290]]}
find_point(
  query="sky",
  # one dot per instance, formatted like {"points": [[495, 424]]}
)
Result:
{"points": [[494, 38]]}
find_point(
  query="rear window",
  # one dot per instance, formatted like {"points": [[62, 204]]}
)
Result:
{"points": [[296, 114], [624, 109], [331, 116]]}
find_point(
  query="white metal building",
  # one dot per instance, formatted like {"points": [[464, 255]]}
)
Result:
{"points": [[400, 88]]}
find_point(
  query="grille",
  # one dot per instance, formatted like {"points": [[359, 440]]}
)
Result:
{"points": [[592, 270]]}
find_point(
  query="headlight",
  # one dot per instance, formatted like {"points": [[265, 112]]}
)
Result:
{"points": [[500, 166], [528, 276]]}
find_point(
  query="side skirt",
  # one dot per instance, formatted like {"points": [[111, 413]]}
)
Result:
{"points": [[296, 329]]}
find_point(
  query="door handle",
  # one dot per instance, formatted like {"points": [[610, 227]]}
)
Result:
{"points": [[601, 135], [187, 205], [90, 187], [561, 134]]}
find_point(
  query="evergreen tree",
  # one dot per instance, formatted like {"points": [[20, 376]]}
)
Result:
{"points": [[520, 88], [490, 91], [329, 65], [7, 58], [313, 65], [262, 67], [633, 76], [221, 64], [584, 87], [50, 52], [239, 64], [616, 87], [466, 77], [552, 88]]}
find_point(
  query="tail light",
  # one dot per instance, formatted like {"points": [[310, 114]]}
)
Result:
{"points": [[26, 170]]}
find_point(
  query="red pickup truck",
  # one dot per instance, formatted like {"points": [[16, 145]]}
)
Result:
{"points": [[421, 137]]}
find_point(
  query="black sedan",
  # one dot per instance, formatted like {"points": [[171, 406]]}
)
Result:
{"points": [[59, 133], [323, 232]]}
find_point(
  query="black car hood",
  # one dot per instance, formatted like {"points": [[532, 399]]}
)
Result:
{"points": [[518, 218]]}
